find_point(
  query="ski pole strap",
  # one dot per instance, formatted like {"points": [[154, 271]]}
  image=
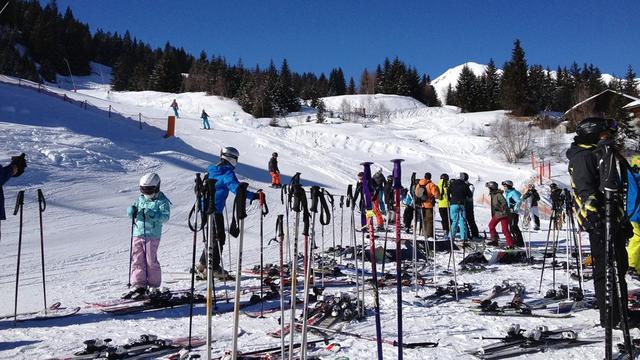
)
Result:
{"points": [[210, 198], [349, 195], [42, 203], [283, 192], [19, 202], [397, 173], [279, 225], [325, 214], [263, 203], [197, 206], [239, 209], [300, 204], [342, 201]]}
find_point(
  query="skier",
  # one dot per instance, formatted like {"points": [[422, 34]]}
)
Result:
{"points": [[377, 198], [426, 194], [634, 243], [174, 106], [499, 214], [468, 208], [443, 204], [407, 215], [458, 193], [533, 197], [513, 201], [557, 204], [274, 171], [593, 159], [205, 120], [14, 169], [151, 209], [224, 174]]}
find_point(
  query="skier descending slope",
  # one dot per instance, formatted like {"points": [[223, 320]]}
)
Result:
{"points": [[224, 174], [150, 210]]}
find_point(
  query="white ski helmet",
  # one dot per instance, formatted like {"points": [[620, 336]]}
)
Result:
{"points": [[150, 185], [230, 154]]}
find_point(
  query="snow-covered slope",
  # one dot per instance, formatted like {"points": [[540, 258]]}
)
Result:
{"points": [[88, 165]]}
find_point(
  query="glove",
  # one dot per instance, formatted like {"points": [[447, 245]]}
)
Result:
{"points": [[592, 218], [132, 211], [19, 163], [256, 196]]}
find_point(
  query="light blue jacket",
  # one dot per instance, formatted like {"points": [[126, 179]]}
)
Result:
{"points": [[513, 197], [156, 212], [226, 181]]}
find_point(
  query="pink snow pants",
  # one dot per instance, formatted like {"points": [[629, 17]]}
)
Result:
{"points": [[145, 268]]}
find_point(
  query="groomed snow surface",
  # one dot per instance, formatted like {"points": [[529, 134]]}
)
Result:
{"points": [[88, 165]]}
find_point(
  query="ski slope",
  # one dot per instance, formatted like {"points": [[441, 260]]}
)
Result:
{"points": [[88, 164]]}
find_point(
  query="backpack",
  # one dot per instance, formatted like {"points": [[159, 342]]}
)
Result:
{"points": [[421, 194]]}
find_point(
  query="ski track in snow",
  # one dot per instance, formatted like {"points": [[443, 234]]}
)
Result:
{"points": [[88, 166]]}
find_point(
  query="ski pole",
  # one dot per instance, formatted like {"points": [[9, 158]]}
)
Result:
{"points": [[134, 216], [416, 345], [415, 249], [299, 203], [240, 210], [372, 251], [315, 195], [341, 223], [264, 210], [18, 208], [397, 187], [452, 256], [352, 236], [42, 206], [210, 210], [280, 234], [196, 211], [546, 247]]}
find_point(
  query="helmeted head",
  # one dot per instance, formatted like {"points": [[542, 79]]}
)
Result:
{"points": [[275, 155], [427, 175], [230, 154], [360, 176], [491, 185], [464, 176], [531, 186], [553, 186], [508, 184], [150, 185], [592, 129], [444, 177]]}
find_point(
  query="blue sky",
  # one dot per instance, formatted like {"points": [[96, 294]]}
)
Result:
{"points": [[431, 35]]}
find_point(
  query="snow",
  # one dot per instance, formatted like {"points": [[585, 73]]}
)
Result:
{"points": [[88, 165]]}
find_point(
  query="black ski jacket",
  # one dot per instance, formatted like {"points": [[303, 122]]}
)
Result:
{"points": [[533, 194], [273, 165], [458, 192]]}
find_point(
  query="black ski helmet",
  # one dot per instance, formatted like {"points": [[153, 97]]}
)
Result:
{"points": [[507, 183], [594, 126], [427, 175], [444, 177], [492, 185], [464, 176], [275, 154]]}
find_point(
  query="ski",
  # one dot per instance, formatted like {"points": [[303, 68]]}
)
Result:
{"points": [[164, 301], [507, 311], [56, 313], [51, 307], [443, 295]]}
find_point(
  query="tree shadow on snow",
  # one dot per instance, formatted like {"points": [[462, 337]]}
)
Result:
{"points": [[16, 344]]}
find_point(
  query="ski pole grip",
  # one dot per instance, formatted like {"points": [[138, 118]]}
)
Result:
{"points": [[315, 195], [349, 194], [241, 201], [279, 226], [19, 202], [342, 201], [211, 196], [263, 203], [283, 192], [42, 203]]}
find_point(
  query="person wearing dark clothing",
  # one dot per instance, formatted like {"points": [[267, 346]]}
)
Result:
{"points": [[458, 193], [407, 215], [499, 214], [557, 205], [595, 165], [532, 196], [14, 169], [274, 171], [468, 209]]}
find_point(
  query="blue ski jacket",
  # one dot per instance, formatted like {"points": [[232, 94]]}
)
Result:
{"points": [[513, 199], [6, 172], [156, 212], [226, 181]]}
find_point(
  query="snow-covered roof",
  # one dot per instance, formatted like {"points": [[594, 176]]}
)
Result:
{"points": [[632, 105], [631, 98]]}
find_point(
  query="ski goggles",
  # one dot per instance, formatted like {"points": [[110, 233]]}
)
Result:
{"points": [[148, 190]]}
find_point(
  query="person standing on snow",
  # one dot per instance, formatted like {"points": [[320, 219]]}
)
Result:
{"points": [[499, 214], [443, 204], [468, 208], [174, 106], [633, 248], [205, 120], [513, 201], [14, 169], [150, 210], [274, 171], [407, 215], [595, 165], [533, 197], [377, 199], [557, 204], [458, 194], [426, 194], [226, 181]]}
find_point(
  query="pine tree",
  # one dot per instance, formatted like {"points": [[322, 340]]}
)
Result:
{"points": [[537, 87], [630, 83], [198, 75], [491, 87], [451, 97], [514, 83], [320, 115], [337, 84], [466, 90], [351, 89], [288, 100]]}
